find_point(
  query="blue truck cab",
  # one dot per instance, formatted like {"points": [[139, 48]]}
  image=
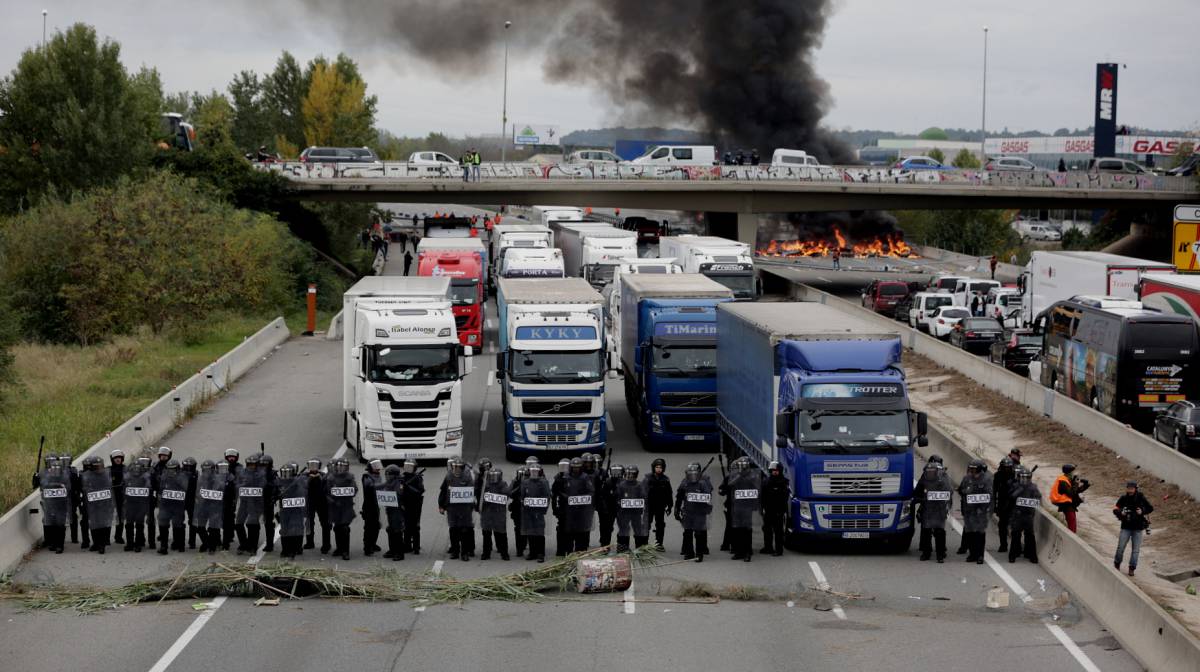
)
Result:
{"points": [[823, 393], [669, 356]]}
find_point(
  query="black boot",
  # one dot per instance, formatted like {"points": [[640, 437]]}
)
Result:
{"points": [[487, 546], [252, 538], [269, 534], [162, 539], [502, 544], [324, 539], [342, 533], [192, 537], [178, 543], [130, 541], [214, 540]]}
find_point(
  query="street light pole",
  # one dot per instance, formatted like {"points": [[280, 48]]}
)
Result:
{"points": [[504, 109], [44, 13], [983, 123]]}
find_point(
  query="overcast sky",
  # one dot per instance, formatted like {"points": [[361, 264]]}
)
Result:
{"points": [[899, 66]]}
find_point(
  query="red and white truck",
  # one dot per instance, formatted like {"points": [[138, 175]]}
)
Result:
{"points": [[462, 260], [1172, 294]]}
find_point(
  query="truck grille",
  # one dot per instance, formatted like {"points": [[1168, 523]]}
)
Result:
{"points": [[855, 509], [690, 423], [689, 399], [850, 485], [556, 407], [856, 524], [460, 321], [557, 432]]}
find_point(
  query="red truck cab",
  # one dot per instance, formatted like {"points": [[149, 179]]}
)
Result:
{"points": [[465, 270]]}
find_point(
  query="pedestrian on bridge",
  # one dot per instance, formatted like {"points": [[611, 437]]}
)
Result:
{"points": [[1062, 165], [476, 161], [992, 264], [464, 162]]}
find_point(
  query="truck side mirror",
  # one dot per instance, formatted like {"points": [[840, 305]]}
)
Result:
{"points": [[783, 423], [499, 365], [922, 428]]}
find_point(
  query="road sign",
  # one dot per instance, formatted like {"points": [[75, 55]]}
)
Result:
{"points": [[1186, 252]]}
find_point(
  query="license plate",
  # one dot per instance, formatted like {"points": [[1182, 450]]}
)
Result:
{"points": [[693, 437], [856, 535]]}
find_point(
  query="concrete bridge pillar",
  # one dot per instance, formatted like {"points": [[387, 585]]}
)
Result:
{"points": [[740, 226]]}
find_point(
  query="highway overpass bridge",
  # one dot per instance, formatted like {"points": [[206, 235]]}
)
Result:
{"points": [[745, 190]]}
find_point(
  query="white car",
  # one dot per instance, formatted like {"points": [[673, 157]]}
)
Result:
{"points": [[1004, 304], [942, 320], [431, 159], [923, 306], [593, 156]]}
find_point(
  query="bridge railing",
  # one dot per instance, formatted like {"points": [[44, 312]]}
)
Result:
{"points": [[399, 170]]}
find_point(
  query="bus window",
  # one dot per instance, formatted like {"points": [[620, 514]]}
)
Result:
{"points": [[1149, 340]]}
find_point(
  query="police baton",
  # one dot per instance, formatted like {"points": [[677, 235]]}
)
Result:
{"points": [[262, 447], [37, 466], [721, 461], [707, 464]]}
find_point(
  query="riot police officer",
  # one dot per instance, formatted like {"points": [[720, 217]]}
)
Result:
{"points": [[97, 493], [535, 499], [631, 511], [412, 502], [209, 510], [266, 464], [340, 491], [745, 487], [318, 506], [188, 467], [1026, 500], [372, 478], [250, 494], [139, 498], [292, 492], [1002, 485], [172, 501], [493, 509], [776, 493], [56, 501], [976, 504], [116, 468], [932, 497], [456, 501], [693, 506], [606, 501], [390, 496]]}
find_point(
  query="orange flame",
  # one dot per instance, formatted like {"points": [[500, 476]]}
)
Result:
{"points": [[885, 245]]}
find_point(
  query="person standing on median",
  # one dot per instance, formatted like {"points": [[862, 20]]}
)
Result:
{"points": [[1131, 509], [1066, 494]]}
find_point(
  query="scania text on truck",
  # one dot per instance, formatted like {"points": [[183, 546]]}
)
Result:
{"points": [[669, 356], [726, 261], [402, 369], [594, 253], [464, 261], [551, 364], [823, 393], [1057, 276]]}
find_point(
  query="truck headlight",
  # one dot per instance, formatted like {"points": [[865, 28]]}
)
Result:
{"points": [[594, 435], [453, 434], [516, 429], [444, 333], [656, 423], [806, 510], [906, 510], [374, 436], [472, 338]]}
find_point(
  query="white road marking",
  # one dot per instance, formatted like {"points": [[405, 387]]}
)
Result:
{"points": [[1000, 571], [192, 630], [1080, 657], [483, 421], [491, 378], [824, 279], [204, 617], [630, 605], [437, 571], [608, 422], [824, 585]]}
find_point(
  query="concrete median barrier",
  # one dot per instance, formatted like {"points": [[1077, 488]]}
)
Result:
{"points": [[21, 526], [1141, 450], [1142, 627]]}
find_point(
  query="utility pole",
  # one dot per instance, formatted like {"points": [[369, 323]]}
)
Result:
{"points": [[504, 108], [983, 123]]}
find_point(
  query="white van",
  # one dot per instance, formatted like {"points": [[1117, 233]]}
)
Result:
{"points": [[679, 155], [793, 158], [431, 159], [1037, 231], [1004, 304], [923, 306]]}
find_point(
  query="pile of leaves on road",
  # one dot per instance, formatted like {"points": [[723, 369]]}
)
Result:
{"points": [[290, 581]]}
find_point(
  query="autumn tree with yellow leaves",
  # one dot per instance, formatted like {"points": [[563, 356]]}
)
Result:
{"points": [[336, 110]]}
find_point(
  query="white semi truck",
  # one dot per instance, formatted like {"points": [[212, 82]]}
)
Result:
{"points": [[726, 261], [1053, 276], [532, 262], [402, 369], [593, 253], [508, 235]]}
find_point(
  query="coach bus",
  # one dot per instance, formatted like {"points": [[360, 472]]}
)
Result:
{"points": [[1118, 357]]}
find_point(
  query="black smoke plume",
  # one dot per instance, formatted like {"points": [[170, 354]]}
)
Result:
{"points": [[739, 70]]}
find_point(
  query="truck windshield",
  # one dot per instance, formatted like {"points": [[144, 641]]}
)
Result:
{"points": [[552, 366], [412, 364], [464, 292], [685, 361], [601, 273], [742, 285], [853, 432]]}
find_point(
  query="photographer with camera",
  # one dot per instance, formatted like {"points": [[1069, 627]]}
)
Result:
{"points": [[1131, 509], [1066, 493]]}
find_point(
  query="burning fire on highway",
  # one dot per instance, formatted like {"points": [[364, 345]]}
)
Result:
{"points": [[889, 244]]}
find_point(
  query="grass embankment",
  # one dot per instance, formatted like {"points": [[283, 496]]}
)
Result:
{"points": [[74, 394]]}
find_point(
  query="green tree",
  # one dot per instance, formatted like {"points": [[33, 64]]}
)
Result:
{"points": [[251, 128], [937, 155], [933, 133], [282, 98], [336, 109], [965, 160], [214, 120], [72, 117]]}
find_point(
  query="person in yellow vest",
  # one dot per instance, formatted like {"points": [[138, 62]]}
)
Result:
{"points": [[1065, 494]]}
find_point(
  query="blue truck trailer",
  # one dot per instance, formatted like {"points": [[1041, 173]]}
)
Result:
{"points": [[823, 393], [668, 325]]}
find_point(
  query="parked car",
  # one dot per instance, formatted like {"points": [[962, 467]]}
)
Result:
{"points": [[1015, 349], [1003, 304], [920, 163], [976, 334], [924, 304], [1007, 163], [943, 320], [1110, 165], [593, 156], [1178, 426], [1187, 168], [338, 155], [882, 296], [1037, 231], [431, 159]]}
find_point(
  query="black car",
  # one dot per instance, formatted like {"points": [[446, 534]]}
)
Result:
{"points": [[338, 155], [1179, 427], [902, 308], [975, 333], [1016, 349]]}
